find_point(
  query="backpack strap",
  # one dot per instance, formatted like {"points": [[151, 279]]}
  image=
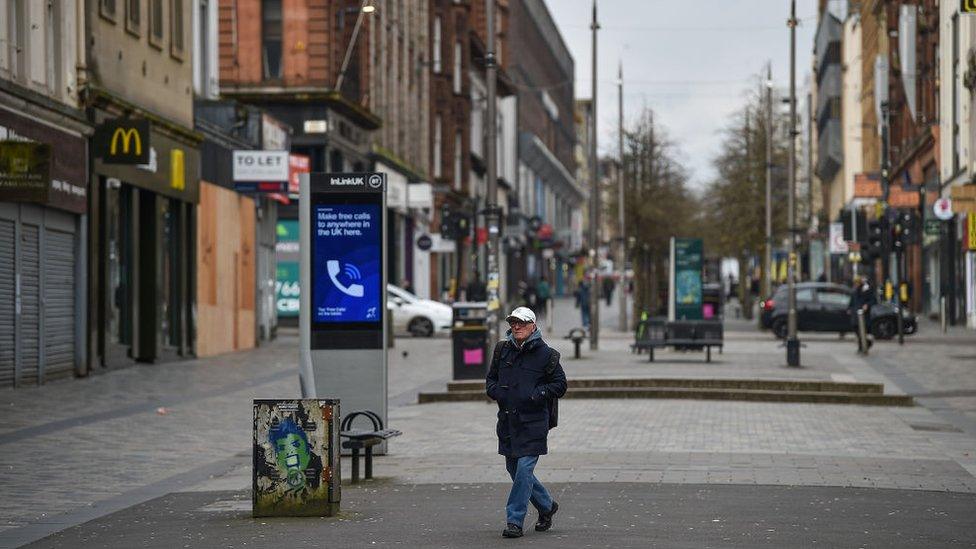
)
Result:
{"points": [[553, 361], [497, 353]]}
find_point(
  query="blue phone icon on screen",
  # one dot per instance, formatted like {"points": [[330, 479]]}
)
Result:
{"points": [[353, 290]]}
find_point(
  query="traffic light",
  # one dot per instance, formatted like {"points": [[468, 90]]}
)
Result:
{"points": [[904, 231], [875, 242], [448, 225]]}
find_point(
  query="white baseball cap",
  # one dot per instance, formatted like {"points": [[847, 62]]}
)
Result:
{"points": [[524, 314]]}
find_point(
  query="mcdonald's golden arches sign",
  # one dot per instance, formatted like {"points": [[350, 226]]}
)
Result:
{"points": [[123, 141]]}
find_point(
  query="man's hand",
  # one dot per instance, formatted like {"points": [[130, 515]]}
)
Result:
{"points": [[538, 394]]}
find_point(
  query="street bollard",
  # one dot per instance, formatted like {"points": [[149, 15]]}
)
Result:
{"points": [[901, 326], [942, 314], [549, 315], [577, 335], [862, 335]]}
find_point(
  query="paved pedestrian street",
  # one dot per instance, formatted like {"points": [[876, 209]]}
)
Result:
{"points": [[160, 455]]}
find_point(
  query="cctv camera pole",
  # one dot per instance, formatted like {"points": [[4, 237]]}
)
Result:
{"points": [[594, 206], [792, 341], [492, 211]]}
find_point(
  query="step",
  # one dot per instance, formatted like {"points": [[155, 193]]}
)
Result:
{"points": [[702, 383], [750, 395]]}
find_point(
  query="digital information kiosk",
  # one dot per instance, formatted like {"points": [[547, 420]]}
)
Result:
{"points": [[342, 317]]}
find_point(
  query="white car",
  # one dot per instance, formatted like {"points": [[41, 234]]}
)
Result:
{"points": [[420, 317]]}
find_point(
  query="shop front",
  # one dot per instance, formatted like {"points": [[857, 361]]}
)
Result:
{"points": [[43, 199], [143, 225]]}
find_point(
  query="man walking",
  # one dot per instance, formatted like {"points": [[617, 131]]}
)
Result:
{"points": [[525, 380]]}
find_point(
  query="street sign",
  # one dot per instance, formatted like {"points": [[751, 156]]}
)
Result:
{"points": [[837, 243], [933, 227], [425, 242], [971, 231], [943, 209]]}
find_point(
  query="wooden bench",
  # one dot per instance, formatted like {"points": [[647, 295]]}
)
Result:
{"points": [[358, 439]]}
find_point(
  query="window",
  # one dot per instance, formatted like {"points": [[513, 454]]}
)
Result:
{"points": [[804, 294], [271, 38], [457, 67], [458, 161], [176, 40], [833, 297], [53, 46], [156, 23], [133, 16], [203, 62], [438, 146], [107, 9], [18, 40], [954, 86], [436, 60]]}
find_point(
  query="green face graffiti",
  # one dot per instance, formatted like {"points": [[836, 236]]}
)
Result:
{"points": [[291, 453]]}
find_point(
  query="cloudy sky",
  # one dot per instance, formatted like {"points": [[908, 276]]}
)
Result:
{"points": [[691, 61]]}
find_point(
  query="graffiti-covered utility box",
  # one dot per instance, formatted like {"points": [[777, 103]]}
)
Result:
{"points": [[296, 458]]}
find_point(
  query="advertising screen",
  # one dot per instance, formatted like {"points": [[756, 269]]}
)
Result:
{"points": [[346, 264]]}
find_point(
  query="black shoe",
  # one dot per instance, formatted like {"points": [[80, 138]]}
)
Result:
{"points": [[512, 531], [545, 519]]}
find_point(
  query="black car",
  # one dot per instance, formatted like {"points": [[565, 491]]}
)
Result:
{"points": [[824, 307]]}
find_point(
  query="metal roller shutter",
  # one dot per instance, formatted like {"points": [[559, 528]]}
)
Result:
{"points": [[7, 312], [59, 304], [30, 297]]}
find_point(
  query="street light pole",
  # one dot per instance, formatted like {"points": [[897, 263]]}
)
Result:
{"points": [[621, 237], [492, 211], [594, 206], [768, 256], [792, 341], [365, 8]]}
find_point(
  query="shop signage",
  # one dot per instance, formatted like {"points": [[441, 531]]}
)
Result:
{"points": [[25, 171], [425, 242], [297, 165], [943, 209], [967, 6], [971, 230], [261, 166], [933, 227], [123, 141], [837, 243], [686, 285], [177, 170], [963, 198]]}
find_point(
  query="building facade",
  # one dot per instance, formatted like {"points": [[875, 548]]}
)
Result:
{"points": [[44, 193], [142, 212], [543, 74]]}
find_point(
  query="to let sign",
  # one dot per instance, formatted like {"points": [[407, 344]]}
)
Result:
{"points": [[261, 166]]}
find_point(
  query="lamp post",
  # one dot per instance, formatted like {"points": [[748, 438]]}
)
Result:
{"points": [[594, 206], [792, 341], [621, 238], [768, 256], [366, 7], [492, 211]]}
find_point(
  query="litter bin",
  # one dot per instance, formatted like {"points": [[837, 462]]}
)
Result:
{"points": [[469, 336], [296, 458]]}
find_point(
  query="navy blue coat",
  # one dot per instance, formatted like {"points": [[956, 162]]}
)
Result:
{"points": [[518, 382]]}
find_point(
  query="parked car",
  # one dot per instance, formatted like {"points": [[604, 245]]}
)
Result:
{"points": [[823, 307], [421, 317]]}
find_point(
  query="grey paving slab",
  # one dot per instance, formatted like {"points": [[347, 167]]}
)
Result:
{"points": [[591, 515]]}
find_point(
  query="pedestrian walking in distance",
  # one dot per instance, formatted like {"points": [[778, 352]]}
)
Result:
{"points": [[525, 379]]}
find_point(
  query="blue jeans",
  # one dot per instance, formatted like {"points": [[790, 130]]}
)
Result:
{"points": [[525, 487]]}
